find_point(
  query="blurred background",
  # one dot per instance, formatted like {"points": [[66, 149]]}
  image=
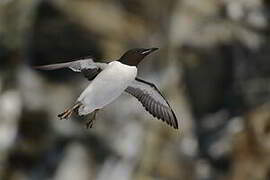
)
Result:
{"points": [[213, 66]]}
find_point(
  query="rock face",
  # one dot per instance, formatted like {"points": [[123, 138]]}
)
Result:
{"points": [[213, 65]]}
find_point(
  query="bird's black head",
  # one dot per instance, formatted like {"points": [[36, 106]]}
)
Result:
{"points": [[134, 56]]}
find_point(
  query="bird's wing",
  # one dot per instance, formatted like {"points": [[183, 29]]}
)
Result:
{"points": [[153, 101], [87, 67]]}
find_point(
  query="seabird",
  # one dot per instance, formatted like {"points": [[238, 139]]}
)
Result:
{"points": [[110, 80]]}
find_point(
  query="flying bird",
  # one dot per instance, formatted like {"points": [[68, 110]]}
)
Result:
{"points": [[110, 80]]}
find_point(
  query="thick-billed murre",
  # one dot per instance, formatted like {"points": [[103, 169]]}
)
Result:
{"points": [[110, 80]]}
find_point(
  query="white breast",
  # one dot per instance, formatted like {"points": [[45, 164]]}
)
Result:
{"points": [[106, 87]]}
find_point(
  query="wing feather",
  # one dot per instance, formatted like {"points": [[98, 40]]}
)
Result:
{"points": [[153, 101], [87, 67], [54, 66]]}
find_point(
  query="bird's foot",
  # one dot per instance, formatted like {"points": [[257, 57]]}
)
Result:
{"points": [[90, 122], [68, 112]]}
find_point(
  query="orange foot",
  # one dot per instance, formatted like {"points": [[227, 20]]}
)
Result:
{"points": [[90, 122], [68, 112]]}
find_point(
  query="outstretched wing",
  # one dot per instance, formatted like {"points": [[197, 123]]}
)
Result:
{"points": [[87, 67], [153, 101]]}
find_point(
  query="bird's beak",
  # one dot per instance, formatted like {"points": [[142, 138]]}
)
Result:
{"points": [[148, 51]]}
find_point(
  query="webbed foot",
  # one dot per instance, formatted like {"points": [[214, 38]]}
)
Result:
{"points": [[68, 112], [90, 122]]}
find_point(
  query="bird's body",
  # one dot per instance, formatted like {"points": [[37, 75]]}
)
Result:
{"points": [[109, 81], [106, 87]]}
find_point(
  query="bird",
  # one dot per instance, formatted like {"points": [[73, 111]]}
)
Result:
{"points": [[109, 80]]}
